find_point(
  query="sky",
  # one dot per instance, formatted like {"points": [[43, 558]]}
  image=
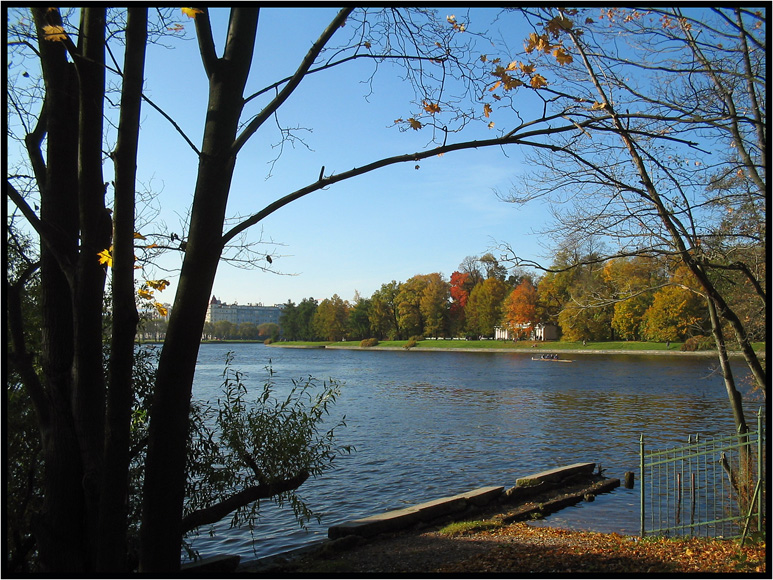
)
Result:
{"points": [[356, 235]]}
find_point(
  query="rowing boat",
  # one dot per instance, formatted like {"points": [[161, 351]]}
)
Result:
{"points": [[550, 359]]}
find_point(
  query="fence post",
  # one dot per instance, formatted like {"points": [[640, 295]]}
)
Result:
{"points": [[641, 483], [760, 448]]}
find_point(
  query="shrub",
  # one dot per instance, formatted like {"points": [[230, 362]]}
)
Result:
{"points": [[698, 342], [268, 341], [369, 342], [410, 344]]}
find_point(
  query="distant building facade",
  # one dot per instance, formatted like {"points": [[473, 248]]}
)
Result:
{"points": [[237, 313], [540, 331]]}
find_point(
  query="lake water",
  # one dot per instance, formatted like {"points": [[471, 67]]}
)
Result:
{"points": [[432, 424]]}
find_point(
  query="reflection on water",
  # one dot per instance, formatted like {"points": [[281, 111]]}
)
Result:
{"points": [[427, 425]]}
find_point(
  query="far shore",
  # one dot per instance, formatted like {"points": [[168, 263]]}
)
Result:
{"points": [[538, 349]]}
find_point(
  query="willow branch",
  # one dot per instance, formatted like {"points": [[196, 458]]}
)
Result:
{"points": [[218, 511]]}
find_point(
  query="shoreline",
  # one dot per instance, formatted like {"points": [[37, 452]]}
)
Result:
{"points": [[532, 351]]}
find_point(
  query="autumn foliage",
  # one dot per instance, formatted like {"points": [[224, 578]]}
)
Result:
{"points": [[520, 309]]}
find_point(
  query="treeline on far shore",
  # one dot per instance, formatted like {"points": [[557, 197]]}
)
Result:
{"points": [[634, 300]]}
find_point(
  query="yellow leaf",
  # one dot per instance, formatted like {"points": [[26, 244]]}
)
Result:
{"points": [[597, 106], [158, 284], [106, 258], [54, 33], [538, 81], [562, 57], [146, 294], [191, 12], [487, 110], [431, 107], [537, 42], [491, 125], [496, 84], [139, 236], [513, 65], [415, 125], [160, 308], [527, 69], [367, 45]]}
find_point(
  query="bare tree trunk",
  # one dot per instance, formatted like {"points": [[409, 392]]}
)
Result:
{"points": [[736, 401], [59, 529], [164, 486], [88, 397], [113, 512]]}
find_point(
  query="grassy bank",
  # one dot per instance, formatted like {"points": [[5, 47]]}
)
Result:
{"points": [[520, 346]]}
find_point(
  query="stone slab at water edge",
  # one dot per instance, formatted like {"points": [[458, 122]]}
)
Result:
{"points": [[426, 512], [399, 519]]}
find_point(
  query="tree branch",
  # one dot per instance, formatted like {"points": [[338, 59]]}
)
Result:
{"points": [[48, 235], [174, 124], [206, 42], [293, 83], [216, 512], [335, 178], [32, 142]]}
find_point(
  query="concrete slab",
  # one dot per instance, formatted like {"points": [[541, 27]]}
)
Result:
{"points": [[374, 525], [427, 511], [484, 495], [555, 475]]}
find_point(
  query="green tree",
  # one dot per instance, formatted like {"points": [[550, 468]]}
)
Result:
{"points": [[331, 317], [410, 316], [434, 305], [484, 308], [384, 311], [248, 331], [305, 319], [359, 318], [288, 321]]}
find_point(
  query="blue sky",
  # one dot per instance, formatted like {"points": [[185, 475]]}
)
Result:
{"points": [[387, 225]]}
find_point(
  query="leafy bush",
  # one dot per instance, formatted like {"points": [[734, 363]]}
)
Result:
{"points": [[410, 344], [698, 342], [259, 448], [369, 342], [268, 341]]}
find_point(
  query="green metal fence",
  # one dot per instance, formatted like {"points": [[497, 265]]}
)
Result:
{"points": [[712, 487]]}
